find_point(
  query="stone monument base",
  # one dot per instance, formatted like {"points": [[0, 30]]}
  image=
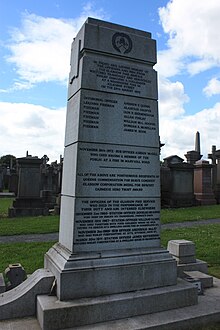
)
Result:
{"points": [[109, 285], [27, 207], [205, 199], [55, 314], [94, 274]]}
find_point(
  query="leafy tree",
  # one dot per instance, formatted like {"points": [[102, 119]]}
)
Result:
{"points": [[5, 160]]}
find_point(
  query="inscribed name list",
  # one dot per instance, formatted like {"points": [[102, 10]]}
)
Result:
{"points": [[108, 118]]}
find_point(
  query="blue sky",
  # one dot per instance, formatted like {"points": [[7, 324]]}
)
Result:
{"points": [[35, 41]]}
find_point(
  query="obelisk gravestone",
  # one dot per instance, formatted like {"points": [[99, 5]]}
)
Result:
{"points": [[111, 167], [110, 194], [109, 239]]}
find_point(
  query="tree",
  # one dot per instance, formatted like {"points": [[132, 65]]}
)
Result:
{"points": [[6, 160]]}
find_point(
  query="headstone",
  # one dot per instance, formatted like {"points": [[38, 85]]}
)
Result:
{"points": [[6, 174], [28, 201], [1, 179], [172, 160], [177, 183], [109, 239], [197, 142], [165, 186], [13, 183], [203, 184], [194, 155], [215, 172], [50, 176]]}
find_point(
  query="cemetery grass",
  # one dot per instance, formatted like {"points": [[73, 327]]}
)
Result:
{"points": [[50, 224], [190, 214], [207, 243], [206, 239], [29, 255], [25, 225], [5, 203]]}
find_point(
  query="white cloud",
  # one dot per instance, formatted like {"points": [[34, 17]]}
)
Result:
{"points": [[193, 47], [194, 39], [31, 127], [40, 52], [212, 88], [171, 98], [179, 134], [40, 48]]}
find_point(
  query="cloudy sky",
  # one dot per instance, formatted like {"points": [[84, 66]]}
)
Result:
{"points": [[35, 41]]}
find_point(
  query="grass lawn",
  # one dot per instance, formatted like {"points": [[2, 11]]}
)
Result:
{"points": [[30, 255], [29, 225], [25, 225], [50, 224], [206, 239], [207, 242], [190, 213], [5, 203]]}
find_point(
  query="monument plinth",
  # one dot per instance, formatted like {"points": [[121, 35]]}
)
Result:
{"points": [[109, 239]]}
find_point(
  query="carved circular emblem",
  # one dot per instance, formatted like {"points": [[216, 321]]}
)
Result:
{"points": [[122, 43]]}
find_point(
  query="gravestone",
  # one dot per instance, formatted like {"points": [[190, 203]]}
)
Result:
{"points": [[13, 183], [202, 183], [1, 179], [177, 183], [49, 183], [194, 155], [28, 201], [109, 239], [215, 173]]}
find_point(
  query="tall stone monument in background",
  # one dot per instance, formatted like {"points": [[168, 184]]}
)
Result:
{"points": [[109, 239]]}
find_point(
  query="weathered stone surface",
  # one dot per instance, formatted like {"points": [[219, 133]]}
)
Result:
{"points": [[198, 265], [15, 274], [21, 301], [109, 272], [111, 189], [2, 283], [51, 312], [206, 280], [28, 201], [202, 183], [109, 239], [181, 248], [135, 118]]}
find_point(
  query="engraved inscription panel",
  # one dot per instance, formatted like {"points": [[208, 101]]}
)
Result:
{"points": [[108, 222], [115, 76], [108, 118], [110, 170], [117, 170], [111, 173]]}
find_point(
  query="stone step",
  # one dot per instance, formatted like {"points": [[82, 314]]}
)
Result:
{"points": [[205, 279], [55, 314]]}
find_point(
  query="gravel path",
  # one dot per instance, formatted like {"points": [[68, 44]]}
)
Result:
{"points": [[190, 223], [54, 236], [29, 238]]}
